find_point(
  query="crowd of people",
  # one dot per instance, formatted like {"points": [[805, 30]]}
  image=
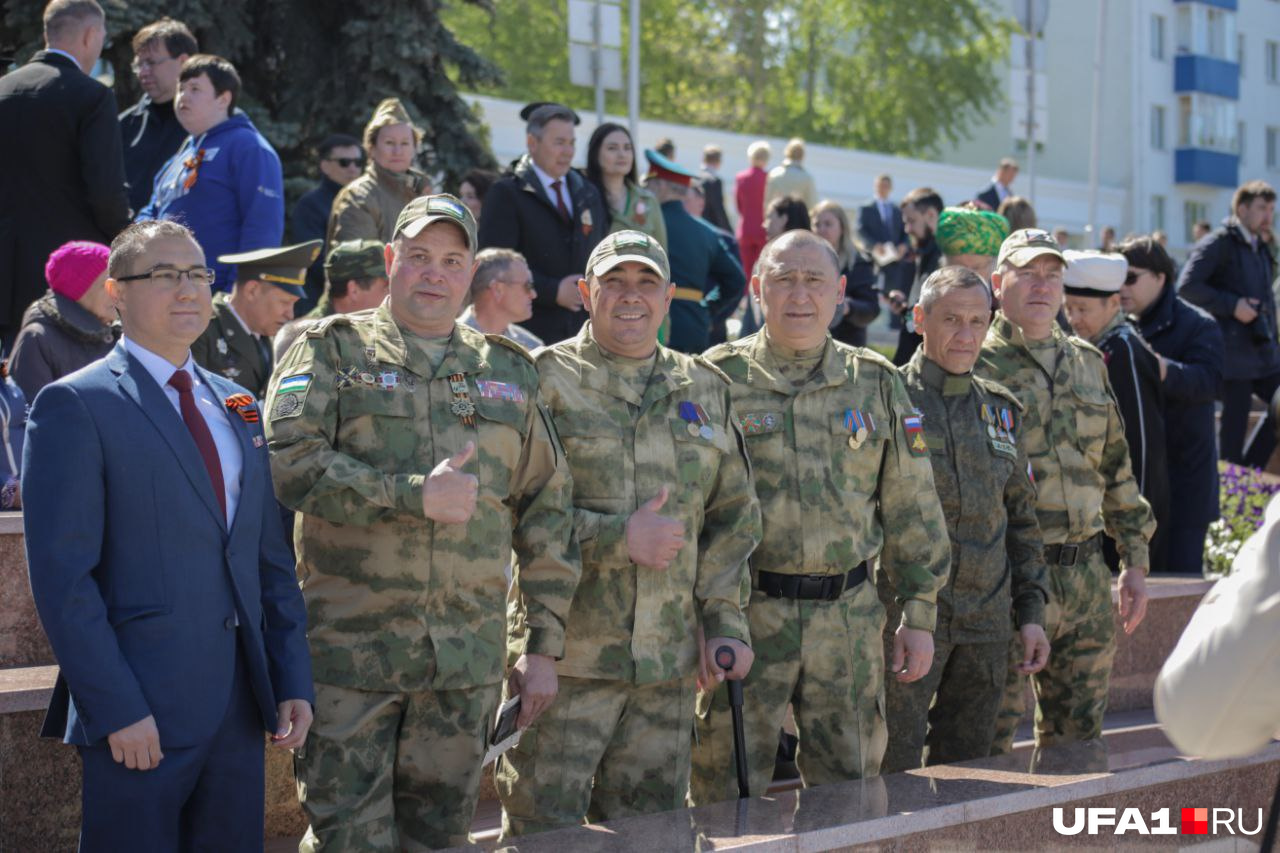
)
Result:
{"points": [[567, 435]]}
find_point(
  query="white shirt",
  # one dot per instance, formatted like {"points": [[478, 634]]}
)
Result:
{"points": [[1002, 192], [211, 408], [551, 193]]}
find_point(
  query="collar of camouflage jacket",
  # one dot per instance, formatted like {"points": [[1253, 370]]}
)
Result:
{"points": [[669, 375], [462, 356], [1005, 331], [762, 369], [933, 376]]}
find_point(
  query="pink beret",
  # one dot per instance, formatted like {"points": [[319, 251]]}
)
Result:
{"points": [[74, 266]]}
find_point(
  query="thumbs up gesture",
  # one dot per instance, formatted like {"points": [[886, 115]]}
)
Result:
{"points": [[653, 540], [449, 494]]}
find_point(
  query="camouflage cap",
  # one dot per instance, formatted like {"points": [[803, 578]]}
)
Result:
{"points": [[622, 246], [426, 209], [358, 259], [1026, 244]]}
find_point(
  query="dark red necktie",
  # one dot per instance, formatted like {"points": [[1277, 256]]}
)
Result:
{"points": [[181, 380], [560, 205]]}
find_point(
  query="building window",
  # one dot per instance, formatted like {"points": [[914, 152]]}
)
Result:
{"points": [[1272, 54], [1273, 147], [1240, 53], [1193, 212], [1207, 31], [1206, 121], [1157, 128], [1240, 135], [1157, 213], [1157, 37]]}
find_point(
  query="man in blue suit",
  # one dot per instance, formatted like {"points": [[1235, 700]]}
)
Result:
{"points": [[161, 572], [881, 230]]}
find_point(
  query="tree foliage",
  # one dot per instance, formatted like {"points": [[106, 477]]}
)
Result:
{"points": [[882, 75], [312, 67]]}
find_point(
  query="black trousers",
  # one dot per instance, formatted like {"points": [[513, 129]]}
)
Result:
{"points": [[1237, 398]]}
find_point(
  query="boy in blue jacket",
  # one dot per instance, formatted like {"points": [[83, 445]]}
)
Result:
{"points": [[225, 183]]}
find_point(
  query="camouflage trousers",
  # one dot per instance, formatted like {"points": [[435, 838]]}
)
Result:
{"points": [[632, 740], [951, 712], [824, 658], [1071, 692], [393, 771]]}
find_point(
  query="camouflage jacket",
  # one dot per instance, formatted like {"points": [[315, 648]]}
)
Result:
{"points": [[397, 602], [980, 471], [829, 499], [1074, 438], [628, 622]]}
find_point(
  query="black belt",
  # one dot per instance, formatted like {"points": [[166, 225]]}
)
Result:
{"points": [[810, 587], [1072, 552]]}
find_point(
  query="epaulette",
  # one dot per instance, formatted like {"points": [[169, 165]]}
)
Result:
{"points": [[720, 352], [321, 327], [868, 354], [704, 361], [1085, 346], [993, 387], [504, 341]]}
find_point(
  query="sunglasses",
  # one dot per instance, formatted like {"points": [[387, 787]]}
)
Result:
{"points": [[1131, 276], [346, 162]]}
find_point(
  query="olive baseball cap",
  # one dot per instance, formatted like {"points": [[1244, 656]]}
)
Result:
{"points": [[622, 246], [426, 209], [358, 259], [1026, 244]]}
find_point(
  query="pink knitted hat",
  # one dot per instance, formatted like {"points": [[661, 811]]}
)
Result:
{"points": [[74, 266]]}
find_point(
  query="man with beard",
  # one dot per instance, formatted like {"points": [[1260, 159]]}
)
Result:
{"points": [[920, 211]]}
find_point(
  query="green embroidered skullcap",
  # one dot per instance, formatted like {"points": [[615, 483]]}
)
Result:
{"points": [[962, 231]]}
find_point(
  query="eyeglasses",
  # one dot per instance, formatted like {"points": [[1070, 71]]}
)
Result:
{"points": [[346, 162], [147, 64], [168, 278], [1133, 275], [527, 285]]}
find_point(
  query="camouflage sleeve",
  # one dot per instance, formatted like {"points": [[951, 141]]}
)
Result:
{"points": [[731, 530], [1025, 546], [310, 474], [1126, 515], [547, 564], [609, 532], [917, 550]]}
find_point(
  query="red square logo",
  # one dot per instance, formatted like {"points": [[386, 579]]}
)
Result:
{"points": [[1195, 821]]}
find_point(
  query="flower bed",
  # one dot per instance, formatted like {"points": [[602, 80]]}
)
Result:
{"points": [[1245, 494]]}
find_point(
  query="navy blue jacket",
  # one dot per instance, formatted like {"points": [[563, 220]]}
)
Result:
{"points": [[151, 134], [1222, 268], [137, 580], [1191, 344], [699, 261], [310, 221]]}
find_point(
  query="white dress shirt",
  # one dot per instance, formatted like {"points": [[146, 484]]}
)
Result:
{"points": [[551, 193], [211, 408]]}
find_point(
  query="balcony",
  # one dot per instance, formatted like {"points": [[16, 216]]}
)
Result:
{"points": [[1203, 166], [1194, 73]]}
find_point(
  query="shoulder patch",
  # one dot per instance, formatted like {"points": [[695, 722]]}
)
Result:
{"points": [[715, 369], [503, 341]]}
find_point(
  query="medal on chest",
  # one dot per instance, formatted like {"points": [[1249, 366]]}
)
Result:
{"points": [[699, 425], [860, 425], [461, 407]]}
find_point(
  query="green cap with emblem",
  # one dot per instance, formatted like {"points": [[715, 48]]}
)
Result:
{"points": [[285, 267], [426, 209], [622, 246], [358, 259], [1026, 244]]}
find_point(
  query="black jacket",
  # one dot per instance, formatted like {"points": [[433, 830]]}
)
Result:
{"points": [[1191, 344], [63, 172], [989, 196], [1134, 371], [713, 192], [151, 135], [310, 221], [1222, 268], [862, 299], [519, 215], [57, 338]]}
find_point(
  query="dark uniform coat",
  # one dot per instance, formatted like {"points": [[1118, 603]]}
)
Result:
{"points": [[519, 215], [699, 261], [230, 350]]}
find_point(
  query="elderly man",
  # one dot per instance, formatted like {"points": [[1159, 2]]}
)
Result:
{"points": [[237, 342], [1092, 283], [843, 475], [1074, 438], [551, 215], [971, 239], [419, 458], [502, 293], [666, 515], [997, 561]]}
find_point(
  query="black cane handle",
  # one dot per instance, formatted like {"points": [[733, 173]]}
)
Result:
{"points": [[725, 658]]}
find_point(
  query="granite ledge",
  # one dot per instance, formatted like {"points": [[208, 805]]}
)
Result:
{"points": [[11, 523], [26, 688]]}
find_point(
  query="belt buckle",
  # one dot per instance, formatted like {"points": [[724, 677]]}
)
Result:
{"points": [[1068, 555], [811, 586]]}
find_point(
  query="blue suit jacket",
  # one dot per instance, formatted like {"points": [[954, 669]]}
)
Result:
{"points": [[136, 577], [872, 229]]}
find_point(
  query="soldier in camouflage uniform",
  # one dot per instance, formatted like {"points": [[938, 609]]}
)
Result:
{"points": [[1074, 438], [666, 515], [997, 559], [355, 276], [418, 457], [843, 476]]}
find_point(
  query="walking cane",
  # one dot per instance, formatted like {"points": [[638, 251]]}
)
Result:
{"points": [[725, 659]]}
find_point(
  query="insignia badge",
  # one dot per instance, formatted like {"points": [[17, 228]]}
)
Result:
{"points": [[699, 425], [388, 380], [291, 393], [259, 441], [860, 425], [491, 390], [1003, 447], [222, 346], [461, 407], [586, 221], [347, 377], [286, 406], [366, 378], [770, 421], [231, 372], [914, 429], [244, 406]]}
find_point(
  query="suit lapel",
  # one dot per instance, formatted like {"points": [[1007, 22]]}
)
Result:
{"points": [[249, 457], [138, 385]]}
